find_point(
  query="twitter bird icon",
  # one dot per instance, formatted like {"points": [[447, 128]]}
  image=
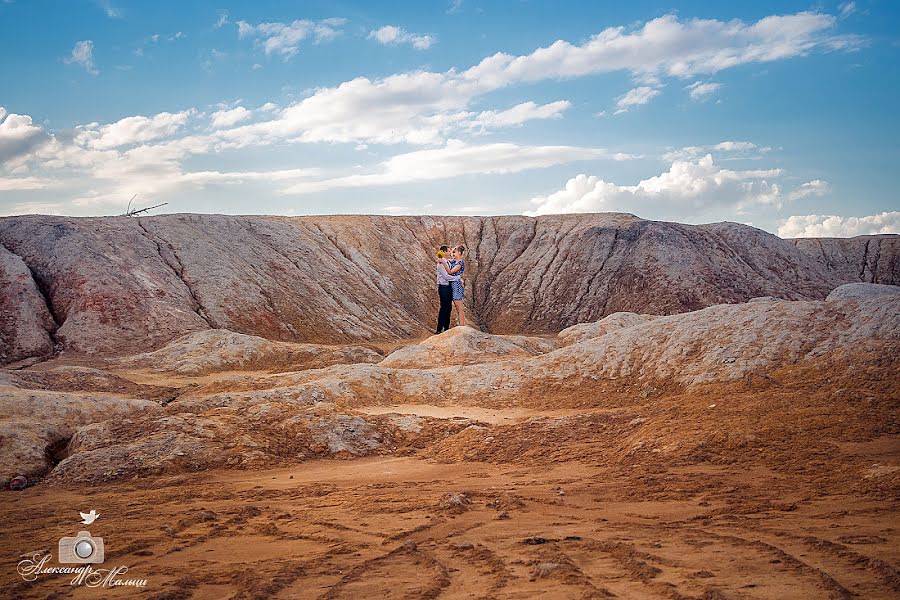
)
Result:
{"points": [[88, 518]]}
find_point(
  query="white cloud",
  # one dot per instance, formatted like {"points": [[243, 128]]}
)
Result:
{"points": [[222, 20], [8, 184], [284, 39], [228, 118], [83, 54], [328, 29], [455, 159], [635, 97], [519, 114], [731, 146], [735, 149], [34, 208], [391, 35], [816, 187], [835, 226], [111, 11], [203, 177], [145, 154], [667, 46], [131, 130], [426, 107], [18, 135], [454, 7], [687, 187], [414, 108], [700, 90], [847, 9]]}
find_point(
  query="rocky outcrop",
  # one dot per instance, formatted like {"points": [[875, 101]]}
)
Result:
{"points": [[262, 436], [217, 350], [36, 426], [117, 285], [614, 322], [251, 420], [863, 291], [865, 258], [26, 325], [466, 346]]}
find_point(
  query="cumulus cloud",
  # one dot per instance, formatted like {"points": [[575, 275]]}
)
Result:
{"points": [[519, 114], [34, 208], [131, 130], [816, 187], [836, 226], [228, 118], [425, 107], [392, 35], [414, 108], [667, 46], [83, 54], [732, 150], [731, 146], [700, 90], [455, 159], [18, 135], [283, 39], [8, 184], [421, 108], [635, 97], [688, 186]]}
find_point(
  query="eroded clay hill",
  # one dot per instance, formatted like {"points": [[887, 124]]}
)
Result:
{"points": [[114, 285], [781, 375]]}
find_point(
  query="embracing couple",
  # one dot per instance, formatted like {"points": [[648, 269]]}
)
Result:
{"points": [[450, 285]]}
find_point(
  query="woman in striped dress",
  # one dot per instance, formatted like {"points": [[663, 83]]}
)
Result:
{"points": [[457, 267]]}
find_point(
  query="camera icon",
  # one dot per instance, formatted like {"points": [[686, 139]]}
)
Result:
{"points": [[81, 549]]}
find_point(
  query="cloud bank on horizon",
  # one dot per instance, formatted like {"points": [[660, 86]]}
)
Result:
{"points": [[638, 118]]}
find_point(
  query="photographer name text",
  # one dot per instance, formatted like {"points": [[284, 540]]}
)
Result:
{"points": [[86, 575]]}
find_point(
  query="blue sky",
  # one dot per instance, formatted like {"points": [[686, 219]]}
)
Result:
{"points": [[778, 114]]}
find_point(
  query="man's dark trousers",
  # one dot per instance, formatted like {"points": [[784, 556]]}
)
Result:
{"points": [[445, 292]]}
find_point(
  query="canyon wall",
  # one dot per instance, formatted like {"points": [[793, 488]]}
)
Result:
{"points": [[117, 285]]}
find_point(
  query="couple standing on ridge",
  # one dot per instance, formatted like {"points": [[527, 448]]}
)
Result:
{"points": [[450, 286]]}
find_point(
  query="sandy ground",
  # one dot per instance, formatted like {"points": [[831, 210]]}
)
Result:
{"points": [[408, 528], [783, 489]]}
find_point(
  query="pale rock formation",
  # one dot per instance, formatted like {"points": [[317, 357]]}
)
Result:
{"points": [[26, 325], [118, 286], [863, 291], [35, 426], [864, 258], [613, 322], [252, 421], [465, 346], [216, 350], [262, 435]]}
